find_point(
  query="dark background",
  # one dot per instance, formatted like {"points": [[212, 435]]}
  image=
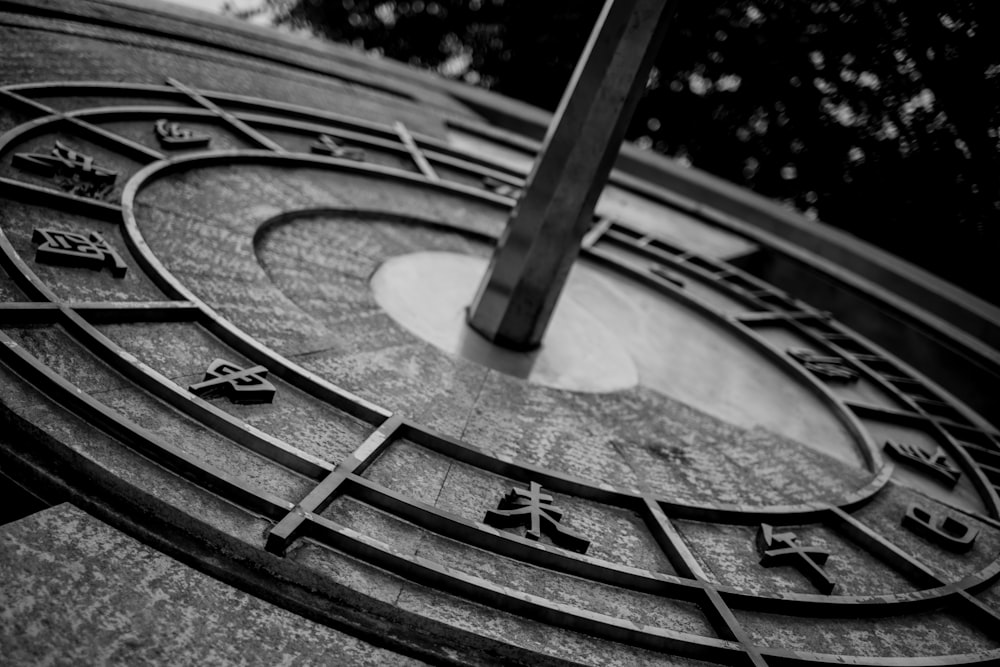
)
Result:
{"points": [[877, 116]]}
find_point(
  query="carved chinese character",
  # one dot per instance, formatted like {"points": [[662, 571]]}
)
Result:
{"points": [[502, 188], [327, 145], [945, 531], [73, 171], [237, 384], [172, 135], [936, 464], [783, 549], [834, 369], [89, 251], [534, 510]]}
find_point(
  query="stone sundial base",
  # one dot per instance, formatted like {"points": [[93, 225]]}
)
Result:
{"points": [[233, 274]]}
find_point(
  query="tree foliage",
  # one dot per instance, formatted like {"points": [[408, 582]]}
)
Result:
{"points": [[878, 116]]}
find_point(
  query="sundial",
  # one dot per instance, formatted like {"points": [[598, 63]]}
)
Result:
{"points": [[235, 325]]}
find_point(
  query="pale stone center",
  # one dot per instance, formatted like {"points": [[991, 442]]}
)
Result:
{"points": [[428, 294]]}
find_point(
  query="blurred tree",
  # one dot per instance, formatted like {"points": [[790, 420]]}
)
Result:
{"points": [[878, 116]]}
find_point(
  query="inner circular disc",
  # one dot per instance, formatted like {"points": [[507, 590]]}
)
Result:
{"points": [[428, 293]]}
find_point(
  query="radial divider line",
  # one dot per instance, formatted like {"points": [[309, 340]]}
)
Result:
{"points": [[883, 549], [671, 542], [135, 149], [287, 530], [19, 313], [512, 178], [983, 616], [764, 316], [234, 122], [115, 312], [728, 626], [38, 195], [714, 607], [596, 232], [483, 536], [418, 156]]}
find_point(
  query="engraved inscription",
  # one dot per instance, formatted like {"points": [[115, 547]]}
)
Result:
{"points": [[239, 385], [534, 510], [88, 251], [944, 531], [778, 549], [834, 369], [332, 147], [72, 171], [937, 464], [172, 135]]}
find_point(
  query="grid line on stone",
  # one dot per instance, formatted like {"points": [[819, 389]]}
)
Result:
{"points": [[903, 562], [123, 144], [109, 312], [39, 195], [715, 608], [234, 122], [280, 537], [418, 156]]}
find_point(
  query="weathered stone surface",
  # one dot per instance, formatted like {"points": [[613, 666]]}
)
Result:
{"points": [[88, 445], [616, 535], [544, 639], [914, 635], [641, 608], [885, 513], [8, 290], [301, 286], [87, 594], [50, 344], [729, 555], [71, 283]]}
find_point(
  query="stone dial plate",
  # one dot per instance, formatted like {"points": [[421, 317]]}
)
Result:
{"points": [[369, 477]]}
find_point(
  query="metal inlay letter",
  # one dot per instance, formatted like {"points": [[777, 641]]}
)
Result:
{"points": [[936, 464], [533, 509], [172, 135], [89, 251], [944, 531], [73, 171], [237, 384], [783, 549]]}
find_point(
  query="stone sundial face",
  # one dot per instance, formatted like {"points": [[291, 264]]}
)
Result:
{"points": [[237, 317]]}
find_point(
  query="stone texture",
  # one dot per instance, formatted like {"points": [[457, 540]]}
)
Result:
{"points": [[546, 640], [302, 289], [915, 635], [53, 346], [640, 608], [885, 514], [617, 535], [729, 555], [71, 283], [87, 594]]}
